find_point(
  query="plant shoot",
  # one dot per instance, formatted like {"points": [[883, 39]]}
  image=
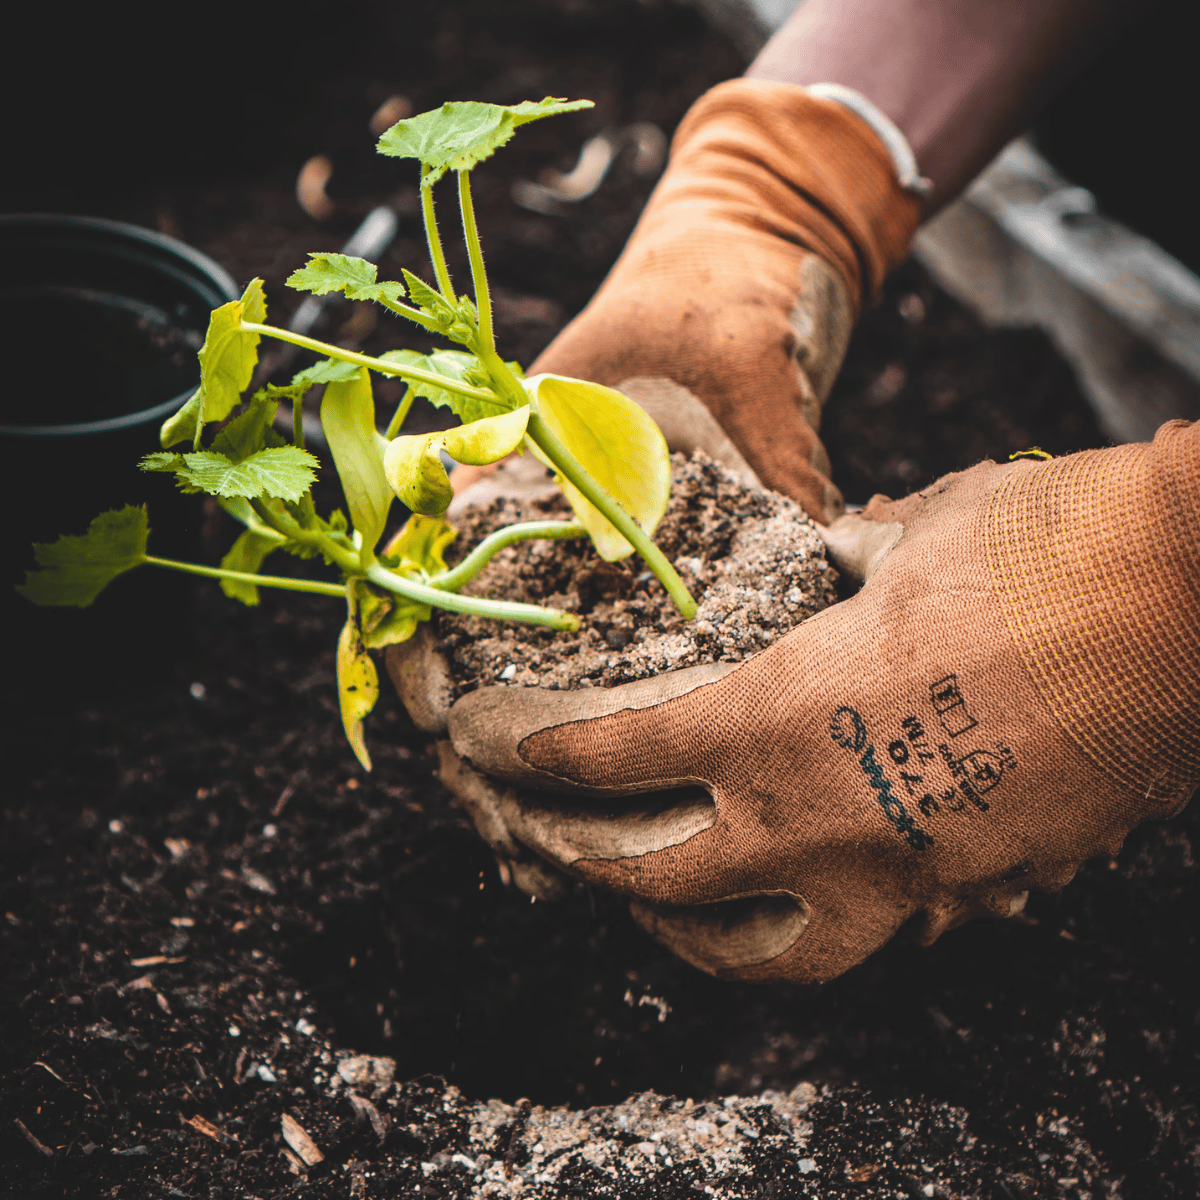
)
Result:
{"points": [[607, 455]]}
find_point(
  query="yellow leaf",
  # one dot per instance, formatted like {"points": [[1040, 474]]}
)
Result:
{"points": [[384, 620], [358, 687], [228, 356], [413, 463], [421, 544], [489, 440], [618, 444], [348, 419], [414, 471]]}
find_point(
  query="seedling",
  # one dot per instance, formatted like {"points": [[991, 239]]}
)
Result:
{"points": [[607, 455]]}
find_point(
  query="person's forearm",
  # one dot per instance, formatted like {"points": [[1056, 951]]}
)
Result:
{"points": [[959, 77]]}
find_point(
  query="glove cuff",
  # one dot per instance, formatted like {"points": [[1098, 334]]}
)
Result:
{"points": [[819, 174], [1096, 559]]}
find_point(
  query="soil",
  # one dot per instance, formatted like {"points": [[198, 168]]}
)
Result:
{"points": [[212, 915], [751, 559]]}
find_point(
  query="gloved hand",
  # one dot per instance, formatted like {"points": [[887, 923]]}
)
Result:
{"points": [[777, 218], [1014, 688]]}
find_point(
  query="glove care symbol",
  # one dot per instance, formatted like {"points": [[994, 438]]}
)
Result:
{"points": [[979, 771], [984, 768], [951, 706], [849, 730]]}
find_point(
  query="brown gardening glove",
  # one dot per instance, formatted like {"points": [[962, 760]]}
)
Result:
{"points": [[776, 220], [1015, 687]]}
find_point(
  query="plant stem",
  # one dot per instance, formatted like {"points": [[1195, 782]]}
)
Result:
{"points": [[412, 374], [491, 545], [435, 242], [275, 581], [546, 440], [413, 314], [402, 410], [344, 558], [348, 561], [483, 299], [298, 420], [500, 610]]}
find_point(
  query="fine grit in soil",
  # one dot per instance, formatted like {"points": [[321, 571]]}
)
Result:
{"points": [[750, 557]]}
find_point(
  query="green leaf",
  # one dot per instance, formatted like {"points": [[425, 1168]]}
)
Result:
{"points": [[325, 273], [413, 464], [457, 365], [182, 426], [430, 301], [348, 418], [228, 356], [285, 472], [254, 302], [77, 568], [328, 370], [250, 431], [618, 444], [247, 555], [460, 134], [162, 460], [358, 687]]}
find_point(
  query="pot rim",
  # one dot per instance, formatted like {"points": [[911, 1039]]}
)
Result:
{"points": [[206, 268]]}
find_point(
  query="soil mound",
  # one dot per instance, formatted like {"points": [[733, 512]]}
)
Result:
{"points": [[751, 557]]}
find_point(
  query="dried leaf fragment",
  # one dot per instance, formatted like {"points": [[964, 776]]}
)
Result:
{"points": [[297, 1137], [365, 1111], [32, 1139], [201, 1125], [863, 1173]]}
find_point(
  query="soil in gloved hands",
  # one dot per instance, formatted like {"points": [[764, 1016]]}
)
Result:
{"points": [[750, 557]]}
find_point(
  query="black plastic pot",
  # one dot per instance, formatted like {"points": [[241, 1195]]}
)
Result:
{"points": [[101, 322]]}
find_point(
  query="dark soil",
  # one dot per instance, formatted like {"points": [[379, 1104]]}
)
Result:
{"points": [[751, 559], [210, 909]]}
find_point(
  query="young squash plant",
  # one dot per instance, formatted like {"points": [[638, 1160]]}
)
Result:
{"points": [[606, 453]]}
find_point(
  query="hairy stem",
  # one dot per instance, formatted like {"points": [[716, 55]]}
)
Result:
{"points": [[401, 414], [411, 374], [545, 439], [276, 581], [491, 545], [435, 242], [499, 610], [413, 314], [344, 558], [483, 299]]}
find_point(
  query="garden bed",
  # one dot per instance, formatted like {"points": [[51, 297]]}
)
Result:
{"points": [[212, 914]]}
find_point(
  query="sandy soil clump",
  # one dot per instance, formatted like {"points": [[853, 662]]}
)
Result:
{"points": [[751, 557]]}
